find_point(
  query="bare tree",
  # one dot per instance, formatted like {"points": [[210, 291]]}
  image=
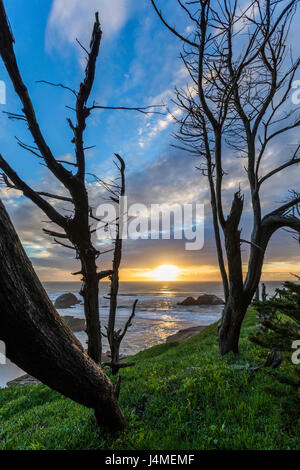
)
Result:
{"points": [[77, 227], [117, 191], [238, 104], [39, 342]]}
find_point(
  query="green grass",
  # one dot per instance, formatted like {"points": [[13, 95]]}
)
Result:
{"points": [[180, 395]]}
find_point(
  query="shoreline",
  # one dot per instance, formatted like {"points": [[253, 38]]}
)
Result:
{"points": [[186, 333], [181, 335]]}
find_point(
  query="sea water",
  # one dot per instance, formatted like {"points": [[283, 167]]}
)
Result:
{"points": [[158, 314]]}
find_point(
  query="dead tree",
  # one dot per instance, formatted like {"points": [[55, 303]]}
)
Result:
{"points": [[264, 294], [116, 191], [39, 342], [238, 102], [257, 294], [77, 227]]}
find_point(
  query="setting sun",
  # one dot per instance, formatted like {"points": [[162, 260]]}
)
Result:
{"points": [[166, 272]]}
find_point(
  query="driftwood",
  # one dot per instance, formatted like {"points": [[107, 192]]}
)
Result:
{"points": [[39, 342]]}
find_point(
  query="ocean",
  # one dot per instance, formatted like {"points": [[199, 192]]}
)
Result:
{"points": [[158, 314]]}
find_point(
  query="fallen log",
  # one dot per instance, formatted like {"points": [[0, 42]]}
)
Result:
{"points": [[40, 343]]}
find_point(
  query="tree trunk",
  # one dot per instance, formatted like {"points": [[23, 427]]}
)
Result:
{"points": [[39, 342], [90, 293], [115, 356], [112, 335], [257, 294], [236, 304], [80, 235], [229, 332]]}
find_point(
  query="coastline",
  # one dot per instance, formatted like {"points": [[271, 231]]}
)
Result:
{"points": [[181, 335], [186, 333]]}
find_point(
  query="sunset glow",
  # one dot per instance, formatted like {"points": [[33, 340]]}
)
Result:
{"points": [[166, 272]]}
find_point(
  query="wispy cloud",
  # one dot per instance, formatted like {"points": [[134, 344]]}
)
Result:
{"points": [[71, 19]]}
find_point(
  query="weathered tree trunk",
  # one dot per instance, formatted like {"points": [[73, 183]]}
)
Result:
{"points": [[39, 342], [76, 229], [207, 128], [236, 304], [257, 294], [90, 293], [229, 332], [264, 292], [115, 337]]}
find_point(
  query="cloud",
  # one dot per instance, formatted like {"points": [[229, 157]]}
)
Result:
{"points": [[71, 19], [170, 179], [162, 124]]}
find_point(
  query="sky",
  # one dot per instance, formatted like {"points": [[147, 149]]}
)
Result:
{"points": [[138, 65]]}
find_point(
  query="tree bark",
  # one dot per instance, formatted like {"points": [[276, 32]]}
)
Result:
{"points": [[230, 110], [76, 229], [229, 333], [39, 342], [115, 337], [90, 293], [236, 304]]}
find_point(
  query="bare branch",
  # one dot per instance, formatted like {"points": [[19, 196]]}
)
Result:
{"points": [[14, 116], [32, 195], [294, 161], [9, 185], [83, 95], [173, 30], [9, 59], [104, 274], [55, 234], [293, 202], [58, 85], [251, 243], [144, 110], [64, 245], [129, 321], [56, 196], [67, 163]]}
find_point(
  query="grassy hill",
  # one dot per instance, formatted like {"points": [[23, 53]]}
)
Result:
{"points": [[180, 395]]}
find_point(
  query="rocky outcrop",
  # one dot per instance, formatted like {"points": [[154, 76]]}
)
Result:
{"points": [[23, 380], [187, 333], [209, 299], [204, 299], [66, 301], [188, 301], [75, 324]]}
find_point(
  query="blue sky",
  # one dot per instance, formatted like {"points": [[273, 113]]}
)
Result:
{"points": [[138, 65]]}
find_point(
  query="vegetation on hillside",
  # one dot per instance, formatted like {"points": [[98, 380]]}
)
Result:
{"points": [[180, 395], [279, 326]]}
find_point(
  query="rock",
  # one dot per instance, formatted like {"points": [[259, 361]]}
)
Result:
{"points": [[187, 333], [204, 299], [207, 299], [188, 301], [75, 324], [24, 380], [66, 301]]}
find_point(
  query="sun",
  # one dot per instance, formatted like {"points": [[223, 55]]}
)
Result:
{"points": [[166, 272]]}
